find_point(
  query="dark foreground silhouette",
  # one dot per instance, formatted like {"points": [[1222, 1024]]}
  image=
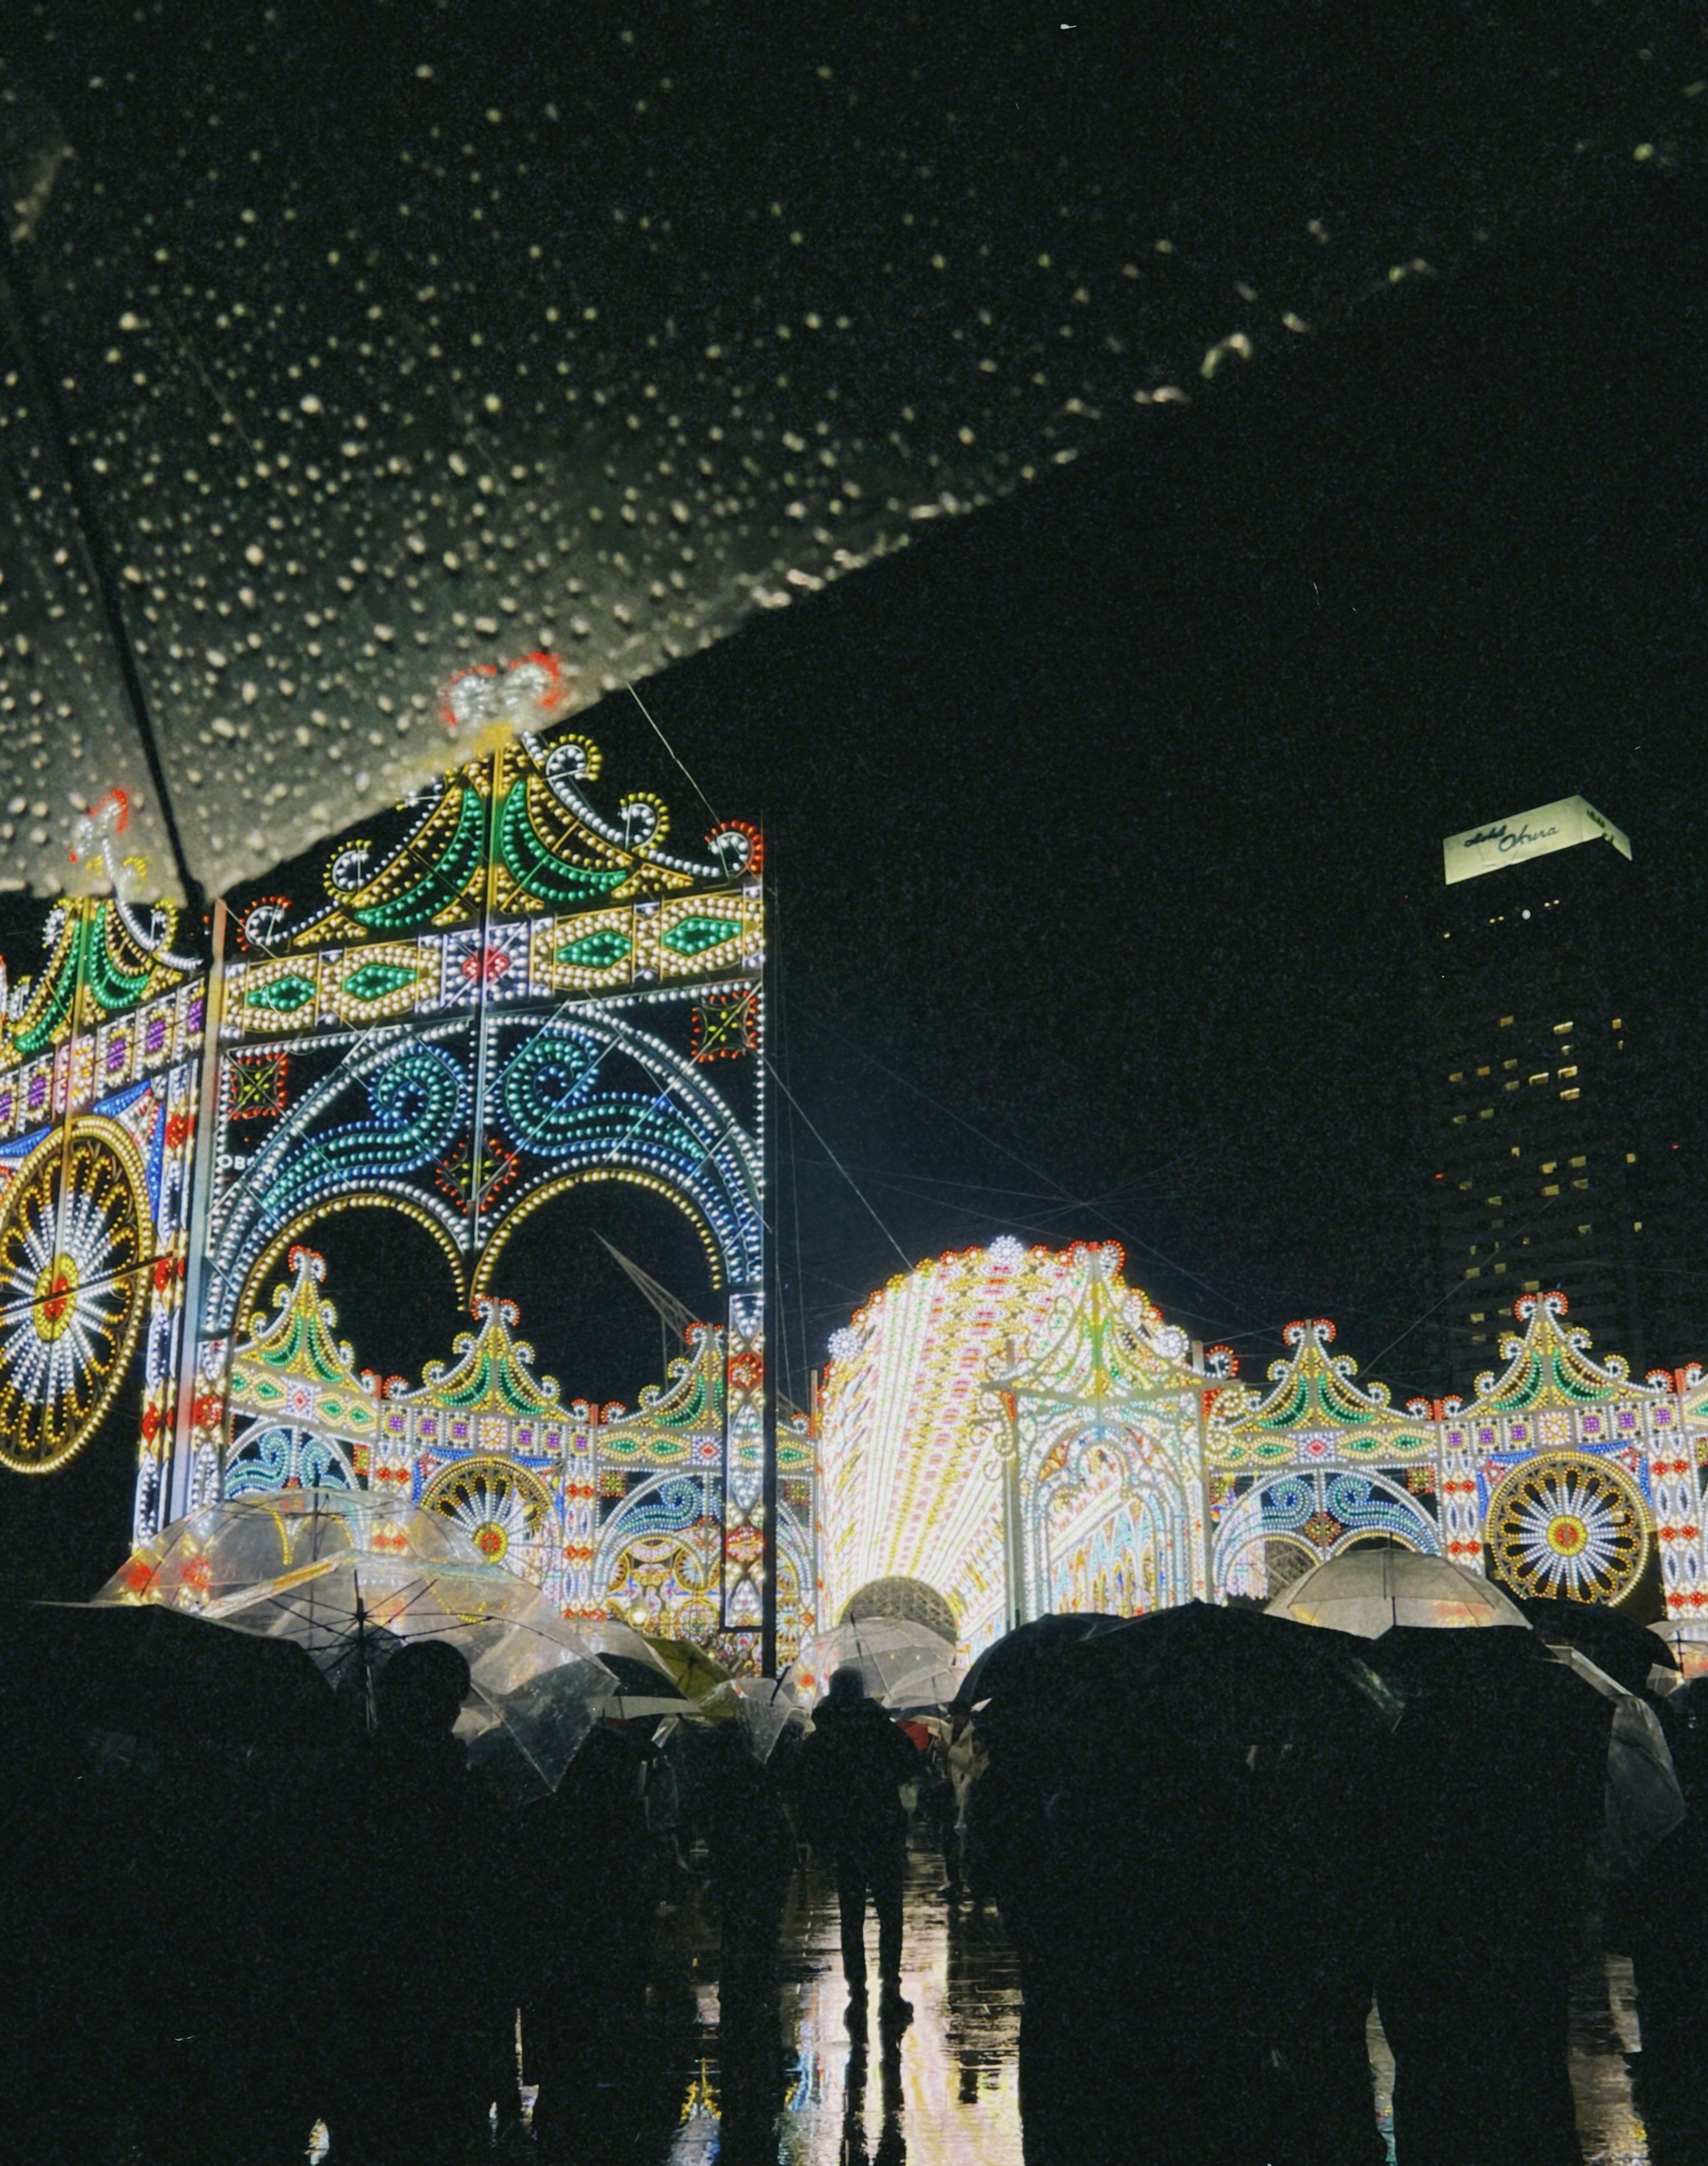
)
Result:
{"points": [[235, 1905]]}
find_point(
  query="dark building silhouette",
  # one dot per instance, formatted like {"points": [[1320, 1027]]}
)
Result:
{"points": [[1547, 1089]]}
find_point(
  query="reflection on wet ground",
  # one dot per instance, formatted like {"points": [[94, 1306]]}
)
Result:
{"points": [[944, 2093], [947, 2093]]}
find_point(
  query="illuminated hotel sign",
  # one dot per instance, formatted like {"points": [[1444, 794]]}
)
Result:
{"points": [[1555, 827]]}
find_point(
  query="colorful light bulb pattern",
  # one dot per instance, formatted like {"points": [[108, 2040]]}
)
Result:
{"points": [[1139, 1472], [1565, 1525], [526, 987], [99, 1056], [73, 1237], [608, 1512]]}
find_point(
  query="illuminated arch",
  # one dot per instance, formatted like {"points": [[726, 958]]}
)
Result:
{"points": [[252, 1294], [561, 1184], [1323, 1511]]}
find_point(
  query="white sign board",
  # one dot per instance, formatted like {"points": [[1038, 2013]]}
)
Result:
{"points": [[1555, 827]]}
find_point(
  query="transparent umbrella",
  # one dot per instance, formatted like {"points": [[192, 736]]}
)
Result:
{"points": [[605, 347], [764, 1707], [1687, 1640], [905, 1667], [352, 1578], [1366, 1590]]}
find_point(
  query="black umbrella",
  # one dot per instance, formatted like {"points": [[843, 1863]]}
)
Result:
{"points": [[1012, 1662], [645, 1680], [1238, 1669], [1617, 1645], [149, 1671]]}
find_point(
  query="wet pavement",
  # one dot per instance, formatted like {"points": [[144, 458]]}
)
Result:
{"points": [[947, 2093]]}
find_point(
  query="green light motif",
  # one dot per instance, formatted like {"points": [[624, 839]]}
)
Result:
{"points": [[373, 981], [280, 995], [693, 935], [597, 951]]}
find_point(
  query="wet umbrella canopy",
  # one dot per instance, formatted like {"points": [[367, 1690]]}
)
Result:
{"points": [[906, 1667], [1009, 1664], [1626, 1650], [1370, 1589], [351, 1578], [443, 335], [155, 1672]]}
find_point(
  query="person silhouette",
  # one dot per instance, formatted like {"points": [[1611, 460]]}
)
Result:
{"points": [[852, 1769]]}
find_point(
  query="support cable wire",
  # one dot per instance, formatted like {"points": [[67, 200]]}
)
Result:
{"points": [[771, 1070], [1037, 1173], [672, 750]]}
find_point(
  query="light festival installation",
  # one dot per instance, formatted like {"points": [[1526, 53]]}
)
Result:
{"points": [[526, 995], [522, 996], [1019, 1431]]}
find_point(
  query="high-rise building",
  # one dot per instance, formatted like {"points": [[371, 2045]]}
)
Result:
{"points": [[1545, 1133]]}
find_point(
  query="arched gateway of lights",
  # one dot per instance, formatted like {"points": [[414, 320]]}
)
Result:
{"points": [[524, 994], [1019, 1430]]}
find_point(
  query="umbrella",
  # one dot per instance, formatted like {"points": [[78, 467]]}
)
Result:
{"points": [[1617, 1645], [765, 1708], [349, 1577], [1485, 1684], [1007, 1663], [1686, 1641], [226, 1551], [537, 1688], [1367, 1590], [692, 1670], [144, 1672], [1231, 1667], [907, 1668], [1644, 1802], [605, 344]]}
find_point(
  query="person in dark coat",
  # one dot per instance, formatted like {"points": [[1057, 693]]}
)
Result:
{"points": [[1669, 1943], [737, 1808], [598, 1874], [1474, 1963], [423, 1971], [852, 1772]]}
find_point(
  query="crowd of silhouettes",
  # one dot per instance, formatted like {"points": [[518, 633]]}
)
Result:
{"points": [[1215, 1840], [1219, 1842]]}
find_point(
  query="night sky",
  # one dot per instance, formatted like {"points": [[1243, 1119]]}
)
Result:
{"points": [[1099, 821], [1099, 817]]}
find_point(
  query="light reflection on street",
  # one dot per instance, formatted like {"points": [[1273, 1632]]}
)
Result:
{"points": [[947, 2093]]}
